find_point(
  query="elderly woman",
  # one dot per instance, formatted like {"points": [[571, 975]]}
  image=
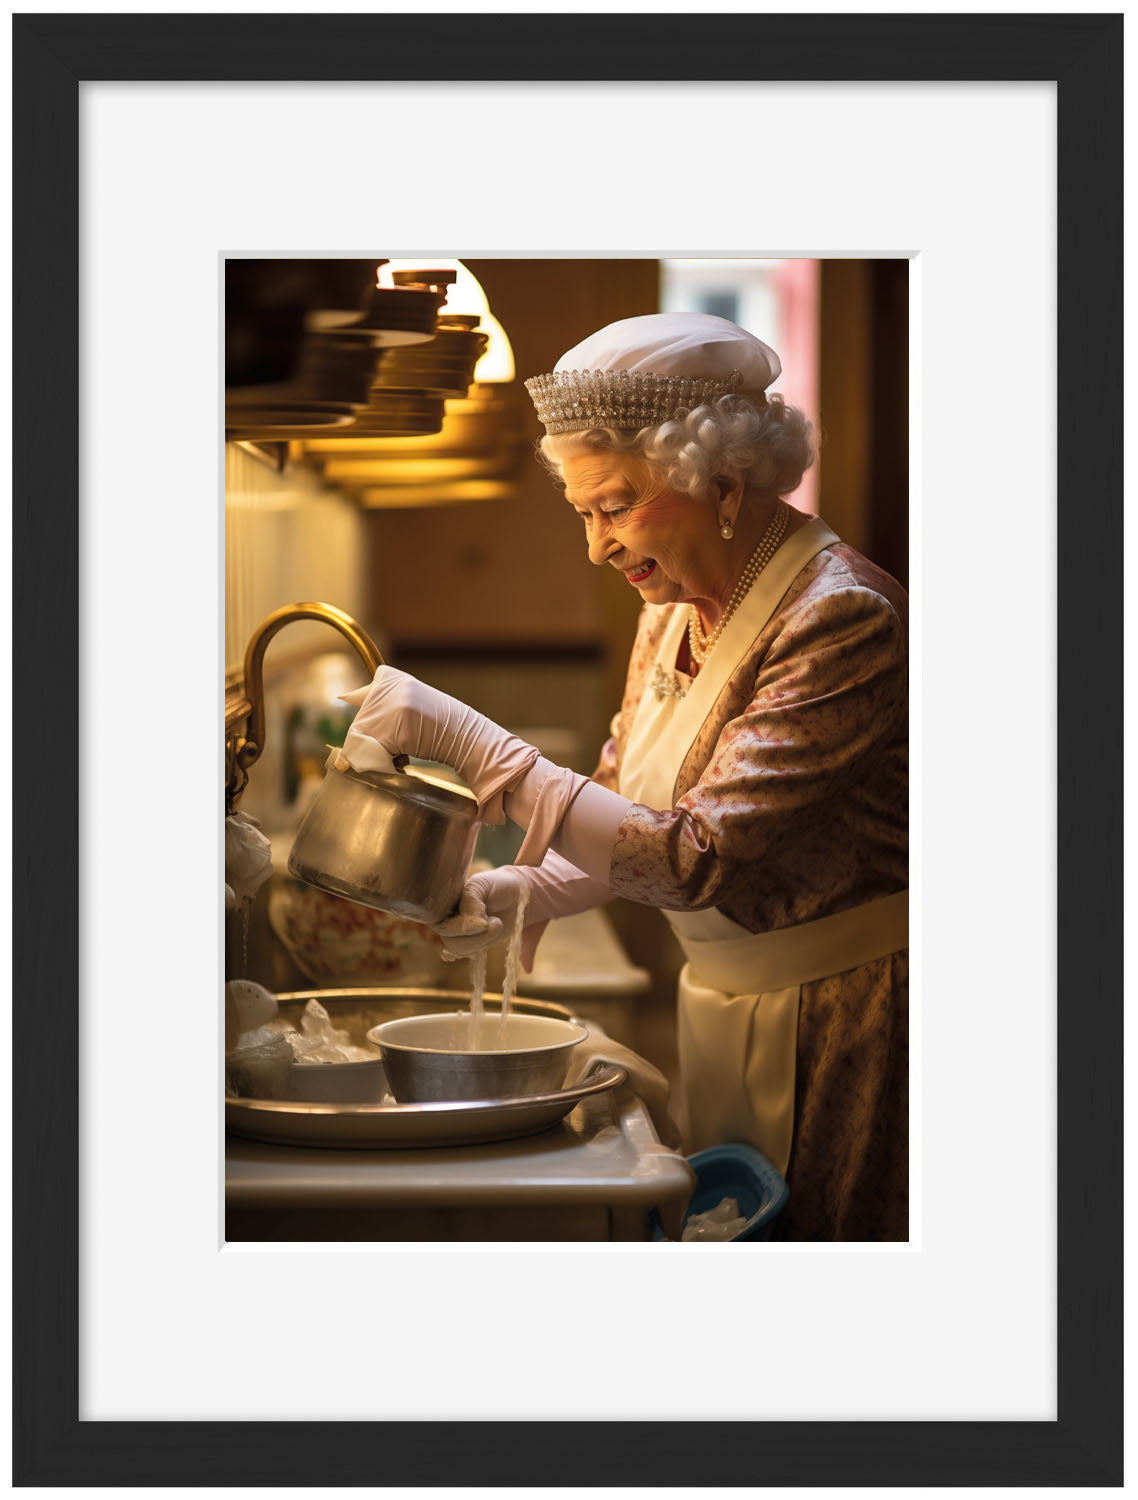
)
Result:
{"points": [[755, 785]]}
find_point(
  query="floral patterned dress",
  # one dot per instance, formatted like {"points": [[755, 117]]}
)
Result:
{"points": [[791, 805]]}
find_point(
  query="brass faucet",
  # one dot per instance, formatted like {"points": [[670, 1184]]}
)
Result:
{"points": [[241, 751]]}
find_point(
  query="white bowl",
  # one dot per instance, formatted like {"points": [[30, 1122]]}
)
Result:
{"points": [[338, 1082]]}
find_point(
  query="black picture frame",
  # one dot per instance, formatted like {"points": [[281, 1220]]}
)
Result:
{"points": [[52, 56]]}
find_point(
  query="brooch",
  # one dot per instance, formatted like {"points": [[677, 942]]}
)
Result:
{"points": [[666, 685]]}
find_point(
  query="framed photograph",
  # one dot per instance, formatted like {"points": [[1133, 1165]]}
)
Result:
{"points": [[985, 152]]}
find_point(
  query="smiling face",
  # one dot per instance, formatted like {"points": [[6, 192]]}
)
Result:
{"points": [[664, 542]]}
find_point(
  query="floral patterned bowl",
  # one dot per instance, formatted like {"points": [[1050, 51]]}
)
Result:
{"points": [[339, 944]]}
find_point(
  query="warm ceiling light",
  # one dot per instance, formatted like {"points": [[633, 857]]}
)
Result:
{"points": [[384, 458], [465, 296], [496, 367]]}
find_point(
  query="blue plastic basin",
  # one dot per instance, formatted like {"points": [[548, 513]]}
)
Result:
{"points": [[742, 1173]]}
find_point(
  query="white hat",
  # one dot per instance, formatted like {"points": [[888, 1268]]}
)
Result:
{"points": [[639, 372], [693, 344]]}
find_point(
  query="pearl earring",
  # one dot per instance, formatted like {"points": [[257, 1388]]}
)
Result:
{"points": [[727, 531]]}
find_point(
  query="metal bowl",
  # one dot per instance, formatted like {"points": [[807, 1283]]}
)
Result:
{"points": [[429, 1058]]}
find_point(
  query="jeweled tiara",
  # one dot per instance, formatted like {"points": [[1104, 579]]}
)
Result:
{"points": [[575, 400]]}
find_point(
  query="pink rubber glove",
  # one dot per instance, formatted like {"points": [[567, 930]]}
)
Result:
{"points": [[406, 717], [488, 907], [568, 813]]}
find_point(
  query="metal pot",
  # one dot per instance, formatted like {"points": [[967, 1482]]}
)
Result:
{"points": [[388, 840]]}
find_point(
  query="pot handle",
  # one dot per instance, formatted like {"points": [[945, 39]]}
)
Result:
{"points": [[400, 762]]}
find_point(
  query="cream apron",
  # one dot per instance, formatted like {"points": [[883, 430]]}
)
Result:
{"points": [[738, 990]]}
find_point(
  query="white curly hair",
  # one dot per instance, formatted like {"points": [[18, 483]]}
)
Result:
{"points": [[769, 446]]}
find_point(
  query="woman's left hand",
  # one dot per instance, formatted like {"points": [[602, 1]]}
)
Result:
{"points": [[486, 911], [406, 717]]}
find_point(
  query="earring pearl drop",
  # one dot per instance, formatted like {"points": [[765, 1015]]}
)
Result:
{"points": [[727, 531]]}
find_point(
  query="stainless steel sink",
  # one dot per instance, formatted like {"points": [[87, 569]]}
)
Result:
{"points": [[357, 1011]]}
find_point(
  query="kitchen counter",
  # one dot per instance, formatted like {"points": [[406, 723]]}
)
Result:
{"points": [[596, 1175]]}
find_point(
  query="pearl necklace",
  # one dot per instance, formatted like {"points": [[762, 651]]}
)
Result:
{"points": [[700, 645]]}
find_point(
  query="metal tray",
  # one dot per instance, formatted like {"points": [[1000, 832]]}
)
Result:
{"points": [[396, 1126]]}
